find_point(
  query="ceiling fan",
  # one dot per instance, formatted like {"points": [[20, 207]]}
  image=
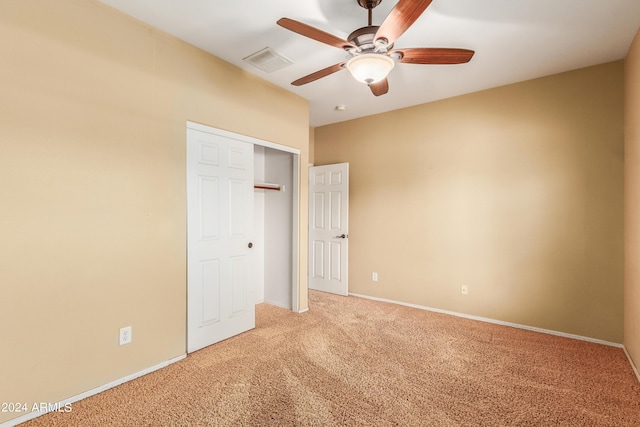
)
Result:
{"points": [[371, 47]]}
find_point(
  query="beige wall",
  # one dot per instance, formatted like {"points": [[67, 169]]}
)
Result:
{"points": [[515, 192], [632, 202], [312, 141], [92, 188]]}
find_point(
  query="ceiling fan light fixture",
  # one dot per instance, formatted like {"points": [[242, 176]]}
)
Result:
{"points": [[370, 68]]}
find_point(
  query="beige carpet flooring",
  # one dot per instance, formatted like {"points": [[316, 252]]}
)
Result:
{"points": [[352, 361]]}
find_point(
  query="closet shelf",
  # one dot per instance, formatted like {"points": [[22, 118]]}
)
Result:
{"points": [[268, 186]]}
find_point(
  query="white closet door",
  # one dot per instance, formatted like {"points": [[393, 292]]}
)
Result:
{"points": [[220, 301]]}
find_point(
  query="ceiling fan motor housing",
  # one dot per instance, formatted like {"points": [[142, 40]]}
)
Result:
{"points": [[369, 4], [364, 38]]}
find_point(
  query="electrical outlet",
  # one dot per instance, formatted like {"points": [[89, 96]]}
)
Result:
{"points": [[464, 290], [125, 335], [374, 276]]}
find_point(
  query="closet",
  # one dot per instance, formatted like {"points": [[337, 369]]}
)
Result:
{"points": [[274, 210]]}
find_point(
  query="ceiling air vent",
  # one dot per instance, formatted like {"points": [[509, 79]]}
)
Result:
{"points": [[268, 60]]}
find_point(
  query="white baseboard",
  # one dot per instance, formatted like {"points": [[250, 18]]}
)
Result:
{"points": [[91, 392], [277, 304], [497, 322], [633, 365]]}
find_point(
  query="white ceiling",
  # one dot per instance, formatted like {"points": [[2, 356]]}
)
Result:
{"points": [[514, 40]]}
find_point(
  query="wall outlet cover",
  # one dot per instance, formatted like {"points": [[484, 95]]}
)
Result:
{"points": [[125, 335]]}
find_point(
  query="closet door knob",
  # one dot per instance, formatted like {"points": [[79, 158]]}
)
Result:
{"points": [[250, 245]]}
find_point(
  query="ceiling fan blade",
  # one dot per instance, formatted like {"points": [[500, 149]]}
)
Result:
{"points": [[318, 74], [434, 55], [401, 17], [380, 88], [314, 33]]}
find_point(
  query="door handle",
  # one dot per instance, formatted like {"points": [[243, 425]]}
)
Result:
{"points": [[342, 236]]}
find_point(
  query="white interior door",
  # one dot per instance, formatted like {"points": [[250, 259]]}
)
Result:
{"points": [[329, 228], [220, 300]]}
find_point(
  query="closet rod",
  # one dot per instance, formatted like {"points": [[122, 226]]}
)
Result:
{"points": [[266, 186]]}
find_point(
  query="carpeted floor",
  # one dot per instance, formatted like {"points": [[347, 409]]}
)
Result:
{"points": [[352, 361]]}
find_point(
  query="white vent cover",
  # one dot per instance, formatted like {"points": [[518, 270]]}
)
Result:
{"points": [[268, 60]]}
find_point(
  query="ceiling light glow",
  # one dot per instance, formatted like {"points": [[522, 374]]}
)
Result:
{"points": [[370, 68]]}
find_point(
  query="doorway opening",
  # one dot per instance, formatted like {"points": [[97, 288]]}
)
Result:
{"points": [[274, 235]]}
